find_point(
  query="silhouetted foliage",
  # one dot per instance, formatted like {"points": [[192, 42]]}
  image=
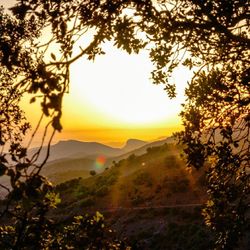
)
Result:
{"points": [[84, 232], [209, 37]]}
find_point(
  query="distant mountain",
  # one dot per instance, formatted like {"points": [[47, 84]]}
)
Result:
{"points": [[73, 159], [76, 149], [81, 157], [143, 149], [132, 144]]}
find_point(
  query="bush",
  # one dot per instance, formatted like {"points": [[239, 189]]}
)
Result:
{"points": [[89, 201], [177, 184], [102, 191], [92, 172], [182, 237], [143, 179], [108, 179], [82, 192], [138, 199], [158, 189], [71, 184], [131, 158], [171, 162]]}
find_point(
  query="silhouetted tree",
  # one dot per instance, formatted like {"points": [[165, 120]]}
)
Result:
{"points": [[209, 37], [29, 196], [92, 172]]}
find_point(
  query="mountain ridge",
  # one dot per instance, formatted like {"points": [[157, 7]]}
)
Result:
{"points": [[76, 149], [132, 144], [86, 163]]}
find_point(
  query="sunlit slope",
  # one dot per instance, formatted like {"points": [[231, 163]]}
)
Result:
{"points": [[156, 178]]}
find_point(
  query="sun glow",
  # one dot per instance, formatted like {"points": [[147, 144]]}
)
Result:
{"points": [[117, 86], [113, 99]]}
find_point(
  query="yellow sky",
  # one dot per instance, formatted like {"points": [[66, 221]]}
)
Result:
{"points": [[112, 99]]}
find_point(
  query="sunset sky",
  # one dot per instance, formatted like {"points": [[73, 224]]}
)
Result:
{"points": [[112, 99]]}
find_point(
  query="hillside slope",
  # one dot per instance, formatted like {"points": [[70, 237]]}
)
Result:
{"points": [[150, 199], [158, 177]]}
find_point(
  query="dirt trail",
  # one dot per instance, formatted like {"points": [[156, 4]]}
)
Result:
{"points": [[116, 209]]}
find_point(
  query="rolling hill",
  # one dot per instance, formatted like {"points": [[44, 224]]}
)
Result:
{"points": [[150, 199], [60, 170], [151, 178], [72, 159]]}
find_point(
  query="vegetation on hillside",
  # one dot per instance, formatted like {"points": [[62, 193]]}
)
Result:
{"points": [[171, 228], [134, 194], [156, 178]]}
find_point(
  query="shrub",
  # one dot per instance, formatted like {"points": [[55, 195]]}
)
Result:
{"points": [[158, 189], [171, 162], [143, 179], [102, 191], [131, 158], [177, 184], [92, 172], [82, 192], [89, 201], [136, 200]]}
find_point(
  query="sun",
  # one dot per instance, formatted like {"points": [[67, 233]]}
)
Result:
{"points": [[118, 86]]}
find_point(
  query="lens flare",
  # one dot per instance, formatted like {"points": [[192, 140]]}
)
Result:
{"points": [[100, 161]]}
